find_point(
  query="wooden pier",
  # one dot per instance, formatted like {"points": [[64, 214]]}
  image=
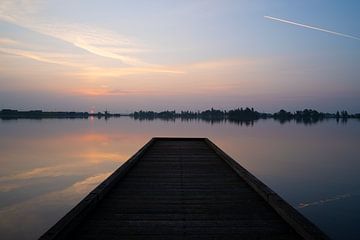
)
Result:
{"points": [[182, 188]]}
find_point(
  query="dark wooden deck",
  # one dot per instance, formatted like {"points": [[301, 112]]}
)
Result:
{"points": [[177, 188]]}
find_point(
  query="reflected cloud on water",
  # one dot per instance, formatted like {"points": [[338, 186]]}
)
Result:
{"points": [[323, 201]]}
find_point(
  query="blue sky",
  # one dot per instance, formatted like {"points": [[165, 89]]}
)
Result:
{"points": [[127, 55]]}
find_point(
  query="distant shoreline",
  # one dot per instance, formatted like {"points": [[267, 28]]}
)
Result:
{"points": [[214, 115], [35, 114]]}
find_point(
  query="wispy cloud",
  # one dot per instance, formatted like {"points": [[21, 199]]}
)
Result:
{"points": [[312, 27], [221, 64], [83, 69], [7, 41], [101, 72], [46, 57], [97, 41], [106, 91]]}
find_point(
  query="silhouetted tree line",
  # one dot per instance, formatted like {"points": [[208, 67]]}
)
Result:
{"points": [[239, 116], [39, 114], [210, 114], [244, 115], [310, 116], [150, 115], [307, 116]]}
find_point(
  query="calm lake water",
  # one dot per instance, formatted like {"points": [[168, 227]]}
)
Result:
{"points": [[47, 166]]}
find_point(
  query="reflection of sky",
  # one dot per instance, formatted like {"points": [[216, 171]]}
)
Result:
{"points": [[49, 165]]}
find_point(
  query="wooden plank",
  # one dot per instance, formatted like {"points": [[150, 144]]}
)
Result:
{"points": [[182, 188]]}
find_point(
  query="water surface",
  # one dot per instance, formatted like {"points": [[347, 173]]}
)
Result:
{"points": [[48, 165]]}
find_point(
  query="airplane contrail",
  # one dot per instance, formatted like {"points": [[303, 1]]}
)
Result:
{"points": [[311, 27]]}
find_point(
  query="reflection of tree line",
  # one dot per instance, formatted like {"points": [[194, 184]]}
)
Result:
{"points": [[245, 116], [241, 116]]}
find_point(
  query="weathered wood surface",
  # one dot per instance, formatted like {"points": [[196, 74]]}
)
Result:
{"points": [[183, 189]]}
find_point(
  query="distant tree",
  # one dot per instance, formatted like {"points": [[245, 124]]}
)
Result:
{"points": [[344, 114]]}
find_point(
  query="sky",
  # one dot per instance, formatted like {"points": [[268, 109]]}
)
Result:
{"points": [[183, 55]]}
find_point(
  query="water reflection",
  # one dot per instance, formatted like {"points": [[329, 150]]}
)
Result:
{"points": [[205, 120], [324, 201], [49, 165]]}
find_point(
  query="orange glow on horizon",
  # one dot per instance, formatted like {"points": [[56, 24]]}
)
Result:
{"points": [[105, 91]]}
